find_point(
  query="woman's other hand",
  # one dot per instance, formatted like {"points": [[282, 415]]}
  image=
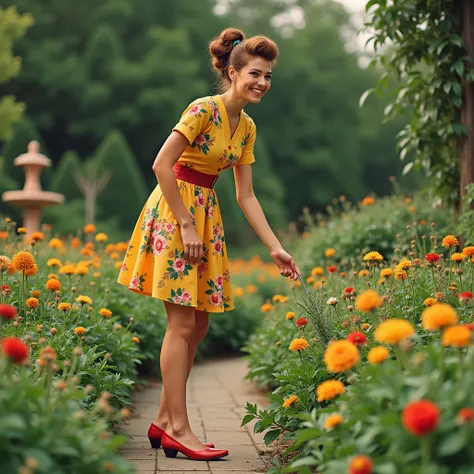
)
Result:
{"points": [[193, 250], [285, 263]]}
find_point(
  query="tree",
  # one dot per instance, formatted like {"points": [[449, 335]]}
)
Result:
{"points": [[63, 178]]}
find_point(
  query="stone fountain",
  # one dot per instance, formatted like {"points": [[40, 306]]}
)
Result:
{"points": [[32, 198]]}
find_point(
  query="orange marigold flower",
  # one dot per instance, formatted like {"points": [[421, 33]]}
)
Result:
{"points": [[456, 336], [464, 416], [81, 270], [333, 420], [368, 300], [367, 201], [266, 307], [365, 326], [364, 273], [377, 354], [5, 262], [290, 401], [439, 316], [67, 270], [79, 330], [121, 246], [393, 331], [32, 303], [109, 248], [56, 243], [430, 301], [3, 235], [84, 299], [401, 275], [136, 340], [341, 356], [101, 237], [420, 417], [85, 252], [404, 265], [458, 257], [360, 464], [317, 271], [468, 251], [75, 243], [118, 265], [36, 293], [23, 261], [298, 344], [53, 262], [290, 315], [53, 276], [64, 306], [53, 285], [106, 313], [329, 389], [373, 257], [386, 273], [89, 228], [329, 252], [38, 236], [31, 271], [238, 291], [22, 230], [449, 241]]}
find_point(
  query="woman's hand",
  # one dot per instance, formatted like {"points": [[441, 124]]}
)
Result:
{"points": [[192, 244], [284, 261]]}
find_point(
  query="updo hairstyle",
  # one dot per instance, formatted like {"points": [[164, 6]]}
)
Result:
{"points": [[224, 53]]}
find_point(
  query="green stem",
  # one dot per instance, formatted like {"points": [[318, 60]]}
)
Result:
{"points": [[1, 288], [434, 280], [425, 455]]}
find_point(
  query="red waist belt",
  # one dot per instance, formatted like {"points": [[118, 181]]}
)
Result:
{"points": [[194, 176]]}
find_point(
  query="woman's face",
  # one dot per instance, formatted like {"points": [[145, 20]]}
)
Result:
{"points": [[253, 81]]}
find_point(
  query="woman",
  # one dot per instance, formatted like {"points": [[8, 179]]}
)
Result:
{"points": [[177, 252]]}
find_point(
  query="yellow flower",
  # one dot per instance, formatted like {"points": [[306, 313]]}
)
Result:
{"points": [[341, 356], [430, 301], [83, 299], [56, 243], [32, 303], [136, 340], [54, 262], [317, 271], [101, 237], [37, 236], [457, 336], [277, 298], [106, 313], [239, 291], [67, 270], [333, 420], [79, 330], [393, 331], [31, 271], [365, 326], [458, 257], [5, 262], [23, 261], [364, 273], [290, 315], [329, 389], [64, 306], [468, 251], [114, 256], [251, 289], [449, 241], [266, 307], [373, 257], [81, 270], [330, 252], [401, 275], [121, 246], [289, 401], [89, 228], [438, 316], [377, 354], [298, 344], [368, 300], [22, 230], [404, 265], [53, 285]]}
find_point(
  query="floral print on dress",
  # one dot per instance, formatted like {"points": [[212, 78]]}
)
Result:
{"points": [[215, 117], [177, 267], [203, 141], [156, 233], [229, 159], [218, 240], [180, 296], [203, 264], [137, 281], [215, 292], [199, 200]]}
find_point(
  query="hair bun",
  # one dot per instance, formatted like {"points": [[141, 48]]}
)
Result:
{"points": [[221, 47]]}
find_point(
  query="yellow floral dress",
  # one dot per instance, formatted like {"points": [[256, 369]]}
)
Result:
{"points": [[154, 263]]}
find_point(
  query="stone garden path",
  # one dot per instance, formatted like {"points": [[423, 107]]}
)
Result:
{"points": [[217, 395]]}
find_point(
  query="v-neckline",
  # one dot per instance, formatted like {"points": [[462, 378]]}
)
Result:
{"points": [[227, 121]]}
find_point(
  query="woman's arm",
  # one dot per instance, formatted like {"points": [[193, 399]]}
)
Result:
{"points": [[252, 210], [169, 154]]}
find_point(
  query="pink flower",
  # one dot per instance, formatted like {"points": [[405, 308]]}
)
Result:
{"points": [[218, 246], [157, 228], [200, 139], [202, 267], [178, 265], [186, 296], [195, 109], [216, 298], [159, 244], [216, 230], [134, 282], [200, 199], [210, 211], [123, 268], [219, 281], [177, 299], [169, 227], [149, 223], [215, 114]]}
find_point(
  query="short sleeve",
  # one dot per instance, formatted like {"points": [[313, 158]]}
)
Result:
{"points": [[248, 143], [194, 120]]}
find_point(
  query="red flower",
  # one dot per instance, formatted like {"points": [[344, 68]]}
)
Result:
{"points": [[349, 290], [465, 415], [470, 326], [420, 417], [465, 297], [15, 349], [332, 269], [432, 257], [360, 464], [7, 311], [357, 338], [301, 322]]}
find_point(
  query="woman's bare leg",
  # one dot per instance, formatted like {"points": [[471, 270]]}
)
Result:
{"points": [[200, 330], [174, 370]]}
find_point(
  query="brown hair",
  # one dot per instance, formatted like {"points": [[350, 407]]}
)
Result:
{"points": [[225, 53]]}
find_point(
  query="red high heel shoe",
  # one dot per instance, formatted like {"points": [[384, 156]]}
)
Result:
{"points": [[155, 434], [171, 447]]}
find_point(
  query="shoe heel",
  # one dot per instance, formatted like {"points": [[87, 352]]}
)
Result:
{"points": [[155, 442], [170, 453]]}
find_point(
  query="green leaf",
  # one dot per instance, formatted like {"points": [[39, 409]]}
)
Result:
{"points": [[247, 419], [365, 95], [271, 436], [451, 444], [407, 168], [371, 3]]}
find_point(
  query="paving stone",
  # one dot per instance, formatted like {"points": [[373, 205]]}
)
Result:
{"points": [[180, 463], [227, 440], [148, 465]]}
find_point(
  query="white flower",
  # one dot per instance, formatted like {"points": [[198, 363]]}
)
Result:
{"points": [[333, 301]]}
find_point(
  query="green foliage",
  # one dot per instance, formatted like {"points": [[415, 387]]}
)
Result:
{"points": [[12, 27], [63, 181], [466, 218], [428, 57], [114, 155]]}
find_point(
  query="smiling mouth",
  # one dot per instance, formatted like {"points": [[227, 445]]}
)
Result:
{"points": [[257, 92]]}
